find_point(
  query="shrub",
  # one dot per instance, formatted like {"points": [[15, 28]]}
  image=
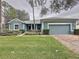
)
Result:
{"points": [[4, 34], [15, 32], [46, 31], [9, 33], [22, 31], [76, 31]]}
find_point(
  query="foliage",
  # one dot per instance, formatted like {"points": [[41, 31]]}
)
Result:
{"points": [[22, 31], [44, 11], [10, 33], [58, 5], [11, 13], [54, 5], [46, 31], [34, 3], [76, 31], [22, 15]]}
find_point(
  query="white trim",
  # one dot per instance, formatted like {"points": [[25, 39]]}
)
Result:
{"points": [[9, 27], [23, 26], [14, 26], [42, 27], [31, 27], [16, 19], [61, 24], [36, 27]]}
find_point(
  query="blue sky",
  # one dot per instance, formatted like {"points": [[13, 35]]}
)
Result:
{"points": [[23, 5]]}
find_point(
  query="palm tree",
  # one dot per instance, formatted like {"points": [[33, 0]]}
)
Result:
{"points": [[33, 16], [35, 3], [32, 5]]}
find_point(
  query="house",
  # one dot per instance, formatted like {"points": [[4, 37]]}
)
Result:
{"points": [[17, 24], [55, 25]]}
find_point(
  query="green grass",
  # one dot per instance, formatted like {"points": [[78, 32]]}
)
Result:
{"points": [[33, 47]]}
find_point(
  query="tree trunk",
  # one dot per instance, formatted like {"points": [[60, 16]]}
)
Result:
{"points": [[34, 18], [0, 16]]}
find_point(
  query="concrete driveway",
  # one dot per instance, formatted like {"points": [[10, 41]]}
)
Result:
{"points": [[70, 41]]}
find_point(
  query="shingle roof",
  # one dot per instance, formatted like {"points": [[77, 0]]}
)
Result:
{"points": [[31, 22], [16, 19], [26, 22]]}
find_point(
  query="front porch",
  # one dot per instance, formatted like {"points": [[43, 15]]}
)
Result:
{"points": [[30, 27]]}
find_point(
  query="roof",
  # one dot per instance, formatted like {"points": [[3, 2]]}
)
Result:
{"points": [[58, 18], [31, 22], [26, 22], [16, 19]]}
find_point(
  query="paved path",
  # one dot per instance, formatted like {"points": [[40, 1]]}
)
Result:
{"points": [[70, 41]]}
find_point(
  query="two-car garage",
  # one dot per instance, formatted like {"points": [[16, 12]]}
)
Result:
{"points": [[55, 29]]}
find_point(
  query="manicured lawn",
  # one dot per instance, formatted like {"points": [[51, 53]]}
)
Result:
{"points": [[33, 47]]}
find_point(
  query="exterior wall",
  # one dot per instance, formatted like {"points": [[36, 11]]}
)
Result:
{"points": [[45, 24], [22, 26], [77, 24], [13, 23]]}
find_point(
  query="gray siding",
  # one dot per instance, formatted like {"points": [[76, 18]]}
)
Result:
{"points": [[13, 23], [45, 22]]}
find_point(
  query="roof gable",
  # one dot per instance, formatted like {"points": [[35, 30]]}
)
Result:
{"points": [[16, 19]]}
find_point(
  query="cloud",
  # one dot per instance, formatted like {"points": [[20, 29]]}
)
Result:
{"points": [[23, 5]]}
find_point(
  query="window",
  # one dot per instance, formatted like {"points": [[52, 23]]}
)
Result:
{"points": [[16, 26]]}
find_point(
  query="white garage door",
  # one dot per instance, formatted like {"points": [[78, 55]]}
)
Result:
{"points": [[59, 29]]}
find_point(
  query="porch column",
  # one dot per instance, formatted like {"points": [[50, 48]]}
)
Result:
{"points": [[9, 26], [36, 27], [31, 27], [23, 26], [42, 27]]}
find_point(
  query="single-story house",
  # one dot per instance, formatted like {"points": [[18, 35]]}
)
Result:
{"points": [[17, 24], [55, 25]]}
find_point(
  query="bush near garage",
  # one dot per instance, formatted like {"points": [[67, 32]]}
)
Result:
{"points": [[46, 31], [76, 31]]}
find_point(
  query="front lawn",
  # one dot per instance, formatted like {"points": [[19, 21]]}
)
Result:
{"points": [[33, 47]]}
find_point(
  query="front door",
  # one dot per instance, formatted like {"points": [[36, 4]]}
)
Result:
{"points": [[29, 27]]}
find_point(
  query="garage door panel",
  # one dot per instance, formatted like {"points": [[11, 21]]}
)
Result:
{"points": [[59, 29]]}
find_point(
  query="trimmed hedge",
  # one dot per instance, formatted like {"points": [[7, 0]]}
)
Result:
{"points": [[76, 31], [9, 33], [46, 31]]}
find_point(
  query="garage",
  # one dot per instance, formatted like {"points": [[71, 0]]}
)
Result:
{"points": [[57, 29]]}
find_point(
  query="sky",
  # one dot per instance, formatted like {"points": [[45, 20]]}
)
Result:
{"points": [[23, 5]]}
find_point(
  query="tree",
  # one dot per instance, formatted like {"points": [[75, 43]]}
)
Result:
{"points": [[35, 3], [11, 13], [0, 15], [58, 5], [44, 11], [22, 15], [54, 5]]}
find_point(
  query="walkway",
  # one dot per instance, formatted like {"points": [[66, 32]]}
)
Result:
{"points": [[70, 41]]}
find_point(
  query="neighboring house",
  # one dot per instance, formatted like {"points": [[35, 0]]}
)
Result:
{"points": [[55, 25]]}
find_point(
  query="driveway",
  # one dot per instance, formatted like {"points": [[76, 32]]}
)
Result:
{"points": [[70, 41]]}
